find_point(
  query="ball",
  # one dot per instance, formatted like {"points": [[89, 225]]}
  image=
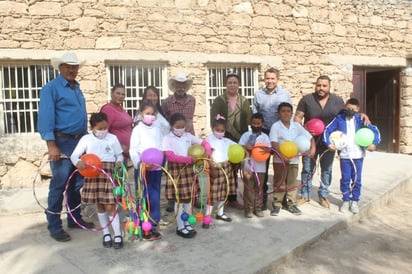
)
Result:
{"points": [[184, 216], [146, 226], [258, 152], [303, 143], [338, 139], [192, 220], [288, 149], [316, 126], [207, 220], [236, 153], [364, 137], [199, 216], [92, 161]]}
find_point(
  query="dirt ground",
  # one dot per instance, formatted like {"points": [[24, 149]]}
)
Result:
{"points": [[381, 243]]}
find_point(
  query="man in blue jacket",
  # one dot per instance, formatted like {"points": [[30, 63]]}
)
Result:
{"points": [[351, 154]]}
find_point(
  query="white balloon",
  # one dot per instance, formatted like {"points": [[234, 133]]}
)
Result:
{"points": [[303, 143], [338, 139]]}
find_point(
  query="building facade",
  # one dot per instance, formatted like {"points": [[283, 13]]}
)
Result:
{"points": [[364, 46]]}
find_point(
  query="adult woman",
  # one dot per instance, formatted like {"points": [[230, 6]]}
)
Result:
{"points": [[236, 110], [119, 121]]}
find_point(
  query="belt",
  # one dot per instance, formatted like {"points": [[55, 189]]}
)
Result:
{"points": [[65, 135]]}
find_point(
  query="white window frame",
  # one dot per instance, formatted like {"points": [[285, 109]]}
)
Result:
{"points": [[247, 86], [141, 75], [18, 115]]}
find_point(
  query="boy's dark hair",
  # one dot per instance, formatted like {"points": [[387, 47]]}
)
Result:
{"points": [[116, 86], [176, 117], [232, 75], [97, 117], [145, 105], [219, 120], [258, 116], [352, 101], [285, 104]]}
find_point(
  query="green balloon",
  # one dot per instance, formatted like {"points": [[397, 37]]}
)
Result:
{"points": [[119, 191], [192, 220], [364, 137]]}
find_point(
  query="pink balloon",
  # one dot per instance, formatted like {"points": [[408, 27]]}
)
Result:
{"points": [[207, 220], [146, 226], [316, 126], [152, 156]]}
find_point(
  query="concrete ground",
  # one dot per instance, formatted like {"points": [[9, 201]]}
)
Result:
{"points": [[243, 246]]}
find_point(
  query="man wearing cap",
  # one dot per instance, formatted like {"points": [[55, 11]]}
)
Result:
{"points": [[180, 101], [62, 121]]}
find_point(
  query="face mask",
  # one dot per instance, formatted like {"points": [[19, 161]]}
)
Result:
{"points": [[148, 119], [256, 129], [349, 113], [100, 134], [218, 135], [178, 131]]}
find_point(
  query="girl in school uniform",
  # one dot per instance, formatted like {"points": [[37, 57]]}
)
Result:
{"points": [[176, 145]]}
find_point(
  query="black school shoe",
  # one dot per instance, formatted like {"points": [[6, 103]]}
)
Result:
{"points": [[223, 217], [275, 211], [108, 243], [153, 235], [83, 223], [294, 210], [61, 236], [184, 233], [118, 245]]}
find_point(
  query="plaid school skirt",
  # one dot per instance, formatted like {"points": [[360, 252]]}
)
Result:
{"points": [[99, 190], [220, 184], [184, 177]]}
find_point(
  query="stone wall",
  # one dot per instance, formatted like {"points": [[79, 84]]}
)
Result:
{"points": [[304, 38]]}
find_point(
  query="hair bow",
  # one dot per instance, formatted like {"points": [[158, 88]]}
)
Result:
{"points": [[219, 117]]}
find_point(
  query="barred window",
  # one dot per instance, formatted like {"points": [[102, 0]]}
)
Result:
{"points": [[135, 78], [216, 81], [20, 86]]}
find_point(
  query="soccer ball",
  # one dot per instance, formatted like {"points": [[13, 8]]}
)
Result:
{"points": [[338, 139]]}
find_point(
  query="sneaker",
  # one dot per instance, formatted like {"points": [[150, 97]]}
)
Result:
{"points": [[235, 204], [61, 236], [302, 200], [153, 235], [294, 210], [344, 208], [275, 211], [354, 207], [324, 202], [258, 213]]}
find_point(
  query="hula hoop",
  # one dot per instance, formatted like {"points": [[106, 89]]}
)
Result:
{"points": [[36, 175], [68, 206]]}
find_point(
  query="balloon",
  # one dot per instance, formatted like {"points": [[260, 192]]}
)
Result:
{"points": [[316, 126], [184, 216], [236, 153], [192, 220], [130, 226], [303, 143], [119, 191], [364, 137], [207, 220], [199, 216], [91, 160], [259, 154], [152, 156], [338, 139], [289, 149], [197, 151], [146, 226]]}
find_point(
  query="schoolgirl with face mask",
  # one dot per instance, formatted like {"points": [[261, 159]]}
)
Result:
{"points": [[218, 183], [176, 145], [98, 190], [144, 136]]}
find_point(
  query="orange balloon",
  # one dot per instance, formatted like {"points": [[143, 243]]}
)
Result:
{"points": [[289, 149], [91, 160], [130, 226], [199, 216], [259, 154]]}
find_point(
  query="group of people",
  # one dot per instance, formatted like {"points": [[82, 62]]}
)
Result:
{"points": [[115, 137]]}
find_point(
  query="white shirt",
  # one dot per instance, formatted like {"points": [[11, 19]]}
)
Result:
{"points": [[352, 150], [279, 134], [180, 145], [142, 138], [107, 149], [220, 148], [261, 138]]}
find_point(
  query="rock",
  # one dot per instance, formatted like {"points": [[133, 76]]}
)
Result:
{"points": [[19, 176]]}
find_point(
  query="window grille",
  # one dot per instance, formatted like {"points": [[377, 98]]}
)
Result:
{"points": [[216, 81], [20, 86], [135, 78]]}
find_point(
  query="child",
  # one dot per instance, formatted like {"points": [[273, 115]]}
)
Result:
{"points": [[285, 129], [252, 193], [147, 135], [99, 190], [218, 183], [351, 156], [176, 145]]}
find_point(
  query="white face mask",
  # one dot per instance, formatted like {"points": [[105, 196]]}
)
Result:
{"points": [[218, 135], [178, 131], [148, 119], [100, 134]]}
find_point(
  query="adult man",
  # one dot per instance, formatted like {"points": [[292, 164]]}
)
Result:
{"points": [[266, 102], [323, 105], [180, 101], [62, 121]]}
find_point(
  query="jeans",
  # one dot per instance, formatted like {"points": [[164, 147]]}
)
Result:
{"points": [[152, 194], [61, 170], [351, 170], [326, 164]]}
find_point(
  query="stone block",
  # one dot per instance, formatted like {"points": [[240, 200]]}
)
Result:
{"points": [[30, 45], [280, 9], [376, 20], [321, 28], [12, 7], [396, 35], [339, 30], [270, 22], [238, 48], [16, 23], [79, 43], [300, 11], [239, 19], [9, 44], [84, 24], [15, 178], [72, 10], [108, 43], [223, 5], [45, 8], [185, 4], [244, 7]]}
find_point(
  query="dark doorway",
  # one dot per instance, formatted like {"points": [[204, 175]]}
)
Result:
{"points": [[378, 91]]}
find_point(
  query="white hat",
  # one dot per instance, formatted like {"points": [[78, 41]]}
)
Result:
{"points": [[182, 78], [69, 58]]}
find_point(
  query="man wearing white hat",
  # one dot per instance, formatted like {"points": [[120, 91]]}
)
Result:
{"points": [[180, 101], [62, 121]]}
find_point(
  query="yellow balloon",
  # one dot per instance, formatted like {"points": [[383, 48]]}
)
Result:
{"points": [[288, 149], [196, 151], [236, 153]]}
